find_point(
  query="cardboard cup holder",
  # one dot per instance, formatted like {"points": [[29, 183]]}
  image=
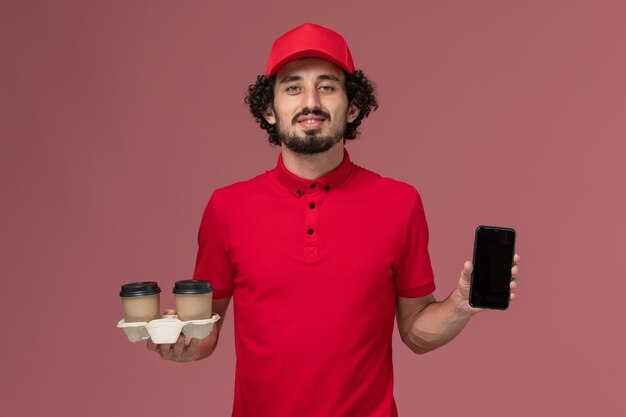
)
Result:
{"points": [[167, 329]]}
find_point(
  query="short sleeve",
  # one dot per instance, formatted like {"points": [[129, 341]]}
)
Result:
{"points": [[212, 260], [413, 271]]}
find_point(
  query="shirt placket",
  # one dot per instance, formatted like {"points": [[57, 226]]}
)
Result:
{"points": [[314, 199]]}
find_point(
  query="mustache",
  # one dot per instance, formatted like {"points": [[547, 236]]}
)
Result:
{"points": [[307, 111]]}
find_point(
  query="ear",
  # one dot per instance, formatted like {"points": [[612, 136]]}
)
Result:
{"points": [[353, 113], [268, 114]]}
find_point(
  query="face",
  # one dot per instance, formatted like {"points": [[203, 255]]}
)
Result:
{"points": [[310, 107]]}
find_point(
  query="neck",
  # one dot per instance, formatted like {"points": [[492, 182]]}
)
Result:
{"points": [[312, 167]]}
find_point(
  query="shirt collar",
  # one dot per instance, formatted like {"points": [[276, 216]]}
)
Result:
{"points": [[299, 186]]}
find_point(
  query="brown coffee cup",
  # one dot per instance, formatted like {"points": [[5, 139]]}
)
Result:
{"points": [[140, 301], [194, 299]]}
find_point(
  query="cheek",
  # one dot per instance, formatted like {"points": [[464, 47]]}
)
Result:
{"points": [[283, 119], [341, 114], [283, 112], [278, 115], [339, 108]]}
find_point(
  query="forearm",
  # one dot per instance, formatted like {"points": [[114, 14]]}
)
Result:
{"points": [[207, 346], [438, 323]]}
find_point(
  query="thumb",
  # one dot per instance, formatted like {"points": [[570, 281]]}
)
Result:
{"points": [[169, 312], [466, 273]]}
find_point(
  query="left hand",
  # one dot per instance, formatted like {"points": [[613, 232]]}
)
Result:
{"points": [[465, 279]]}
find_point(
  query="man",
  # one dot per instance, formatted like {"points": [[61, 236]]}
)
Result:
{"points": [[319, 254]]}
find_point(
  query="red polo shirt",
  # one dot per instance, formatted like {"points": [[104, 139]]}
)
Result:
{"points": [[314, 268]]}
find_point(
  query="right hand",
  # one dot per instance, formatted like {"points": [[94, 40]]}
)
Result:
{"points": [[186, 349]]}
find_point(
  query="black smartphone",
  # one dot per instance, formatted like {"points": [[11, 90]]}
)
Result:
{"points": [[494, 248]]}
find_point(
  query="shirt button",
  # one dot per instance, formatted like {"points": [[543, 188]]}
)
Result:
{"points": [[312, 185], [327, 188], [310, 231], [298, 193], [312, 205]]}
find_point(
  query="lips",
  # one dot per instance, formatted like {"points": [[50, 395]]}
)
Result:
{"points": [[311, 121]]}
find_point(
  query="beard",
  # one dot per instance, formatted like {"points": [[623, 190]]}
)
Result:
{"points": [[312, 142]]}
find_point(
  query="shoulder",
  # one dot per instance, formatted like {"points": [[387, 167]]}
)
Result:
{"points": [[241, 189], [389, 188], [230, 198]]}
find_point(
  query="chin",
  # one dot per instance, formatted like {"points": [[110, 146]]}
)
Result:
{"points": [[313, 132]]}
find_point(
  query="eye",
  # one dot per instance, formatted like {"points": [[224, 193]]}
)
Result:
{"points": [[326, 88], [292, 89]]}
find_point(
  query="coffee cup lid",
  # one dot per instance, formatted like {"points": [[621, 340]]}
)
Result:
{"points": [[137, 289], [192, 286]]}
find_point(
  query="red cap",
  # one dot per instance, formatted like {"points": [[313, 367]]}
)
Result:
{"points": [[309, 40]]}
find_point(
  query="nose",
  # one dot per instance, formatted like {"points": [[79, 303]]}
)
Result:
{"points": [[311, 98]]}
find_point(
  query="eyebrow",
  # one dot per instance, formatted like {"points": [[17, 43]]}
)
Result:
{"points": [[329, 77], [291, 78]]}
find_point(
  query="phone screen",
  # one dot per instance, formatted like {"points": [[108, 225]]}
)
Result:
{"points": [[494, 248]]}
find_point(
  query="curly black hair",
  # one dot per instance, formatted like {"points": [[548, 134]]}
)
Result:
{"points": [[359, 89]]}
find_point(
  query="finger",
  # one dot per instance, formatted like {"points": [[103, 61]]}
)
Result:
{"points": [[151, 346], [466, 273], [165, 349], [177, 350], [515, 259], [169, 312], [188, 341], [515, 270], [192, 347], [512, 297], [514, 284]]}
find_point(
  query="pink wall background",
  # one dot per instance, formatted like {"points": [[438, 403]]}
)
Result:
{"points": [[118, 119]]}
